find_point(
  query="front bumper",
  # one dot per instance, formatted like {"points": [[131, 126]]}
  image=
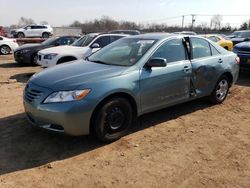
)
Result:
{"points": [[71, 118], [22, 57], [244, 61], [45, 62]]}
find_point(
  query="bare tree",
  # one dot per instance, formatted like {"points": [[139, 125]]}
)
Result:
{"points": [[216, 21], [25, 21], [44, 23]]}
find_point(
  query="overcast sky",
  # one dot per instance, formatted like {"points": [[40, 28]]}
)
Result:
{"points": [[64, 12]]}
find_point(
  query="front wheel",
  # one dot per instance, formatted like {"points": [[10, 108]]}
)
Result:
{"points": [[220, 91], [112, 120], [45, 35], [5, 50], [34, 58]]}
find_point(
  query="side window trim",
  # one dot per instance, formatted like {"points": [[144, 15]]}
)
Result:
{"points": [[93, 41], [210, 45]]}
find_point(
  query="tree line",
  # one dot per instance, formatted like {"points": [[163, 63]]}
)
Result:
{"points": [[105, 24]]}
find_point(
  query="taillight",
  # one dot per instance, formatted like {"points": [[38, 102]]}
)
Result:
{"points": [[14, 40], [237, 60]]}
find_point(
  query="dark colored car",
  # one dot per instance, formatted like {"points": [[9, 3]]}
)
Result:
{"points": [[243, 51], [128, 32], [28, 53], [240, 36]]}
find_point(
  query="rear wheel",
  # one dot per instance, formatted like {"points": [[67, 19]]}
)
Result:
{"points": [[112, 120], [220, 91], [5, 50], [20, 35]]}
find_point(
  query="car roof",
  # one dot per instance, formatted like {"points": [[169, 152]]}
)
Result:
{"points": [[108, 34], [154, 36]]}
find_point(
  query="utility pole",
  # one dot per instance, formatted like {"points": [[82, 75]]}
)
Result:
{"points": [[193, 20], [183, 18]]}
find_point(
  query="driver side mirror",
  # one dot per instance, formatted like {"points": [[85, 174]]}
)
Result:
{"points": [[156, 62], [57, 44], [95, 45]]}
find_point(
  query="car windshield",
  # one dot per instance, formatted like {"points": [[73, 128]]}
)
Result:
{"points": [[50, 41], [236, 33], [243, 34], [84, 41], [124, 52]]}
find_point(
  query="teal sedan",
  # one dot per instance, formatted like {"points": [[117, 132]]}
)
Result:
{"points": [[105, 93]]}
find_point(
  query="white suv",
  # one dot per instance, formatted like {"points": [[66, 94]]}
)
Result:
{"points": [[80, 49], [44, 31]]}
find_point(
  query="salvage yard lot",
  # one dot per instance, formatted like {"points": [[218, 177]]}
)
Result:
{"points": [[190, 145]]}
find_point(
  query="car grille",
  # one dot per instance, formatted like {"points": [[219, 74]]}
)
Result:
{"points": [[31, 94]]}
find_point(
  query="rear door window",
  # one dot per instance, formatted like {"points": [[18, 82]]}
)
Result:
{"points": [[214, 50], [64, 41], [200, 48]]}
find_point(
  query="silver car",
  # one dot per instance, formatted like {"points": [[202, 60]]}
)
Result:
{"points": [[130, 77]]}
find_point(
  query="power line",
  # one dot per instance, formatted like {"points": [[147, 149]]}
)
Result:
{"points": [[181, 16]]}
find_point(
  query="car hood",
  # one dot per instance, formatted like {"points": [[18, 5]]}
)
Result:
{"points": [[238, 39], [26, 46], [243, 45], [65, 49], [72, 75]]}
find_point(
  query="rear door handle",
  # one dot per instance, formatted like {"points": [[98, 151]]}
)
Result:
{"points": [[186, 68], [220, 61]]}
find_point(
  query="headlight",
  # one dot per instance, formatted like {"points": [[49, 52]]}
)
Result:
{"points": [[66, 96], [50, 56]]}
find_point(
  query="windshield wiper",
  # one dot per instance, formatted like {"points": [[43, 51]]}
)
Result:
{"points": [[98, 61]]}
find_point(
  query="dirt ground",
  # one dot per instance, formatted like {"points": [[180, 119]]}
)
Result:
{"points": [[189, 145]]}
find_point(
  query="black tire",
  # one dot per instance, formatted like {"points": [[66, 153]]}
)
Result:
{"points": [[5, 50], [45, 35], [20, 35], [220, 91], [34, 58], [112, 120]]}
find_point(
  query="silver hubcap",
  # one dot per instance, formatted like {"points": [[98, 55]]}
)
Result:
{"points": [[5, 50], [222, 90]]}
